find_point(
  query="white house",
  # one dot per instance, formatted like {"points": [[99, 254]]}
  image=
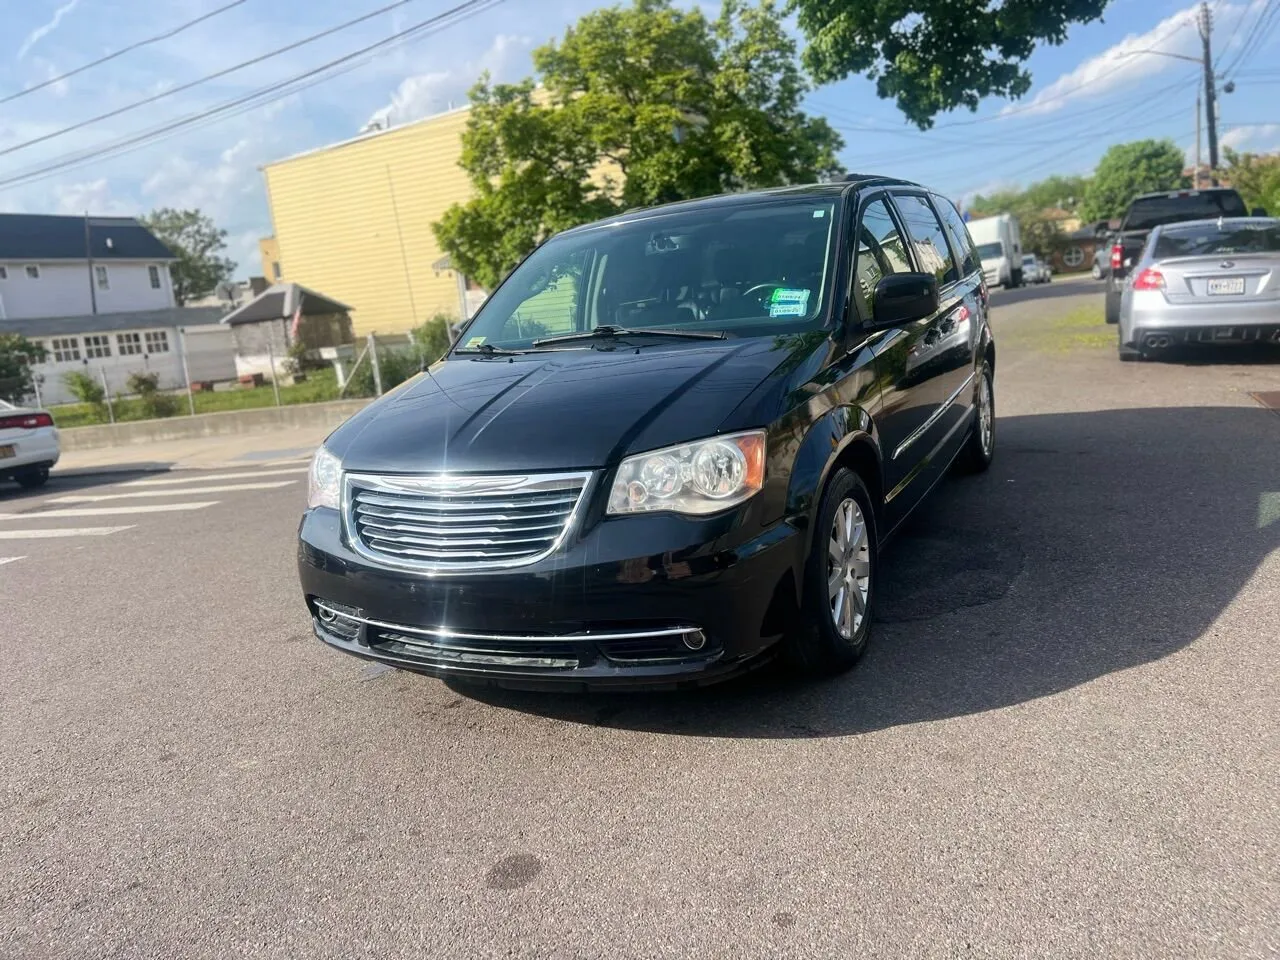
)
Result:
{"points": [[96, 292]]}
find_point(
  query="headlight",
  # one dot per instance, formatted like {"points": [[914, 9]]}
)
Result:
{"points": [[324, 481], [705, 476]]}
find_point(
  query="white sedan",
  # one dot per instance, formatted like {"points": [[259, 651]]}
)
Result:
{"points": [[28, 444], [1035, 270]]}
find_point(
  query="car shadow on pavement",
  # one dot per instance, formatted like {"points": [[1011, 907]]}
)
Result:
{"points": [[63, 483], [1203, 355], [1096, 543], [1047, 291]]}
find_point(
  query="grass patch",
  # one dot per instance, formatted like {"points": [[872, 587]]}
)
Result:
{"points": [[320, 386], [1084, 328]]}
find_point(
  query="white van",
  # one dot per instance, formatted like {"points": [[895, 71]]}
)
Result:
{"points": [[999, 245]]}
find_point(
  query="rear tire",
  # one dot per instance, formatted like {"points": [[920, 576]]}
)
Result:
{"points": [[1097, 272], [30, 479], [1113, 307], [980, 447], [840, 579]]}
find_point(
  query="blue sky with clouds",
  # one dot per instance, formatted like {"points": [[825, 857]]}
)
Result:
{"points": [[1086, 95]]}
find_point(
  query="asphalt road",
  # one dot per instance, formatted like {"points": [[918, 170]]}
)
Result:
{"points": [[1063, 742]]}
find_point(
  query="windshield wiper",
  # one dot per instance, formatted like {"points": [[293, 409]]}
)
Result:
{"points": [[610, 332], [489, 350]]}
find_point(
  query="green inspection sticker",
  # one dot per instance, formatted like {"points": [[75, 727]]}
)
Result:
{"points": [[475, 342], [787, 302]]}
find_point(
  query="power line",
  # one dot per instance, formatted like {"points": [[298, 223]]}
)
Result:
{"points": [[205, 79], [123, 50], [1257, 36], [254, 99]]}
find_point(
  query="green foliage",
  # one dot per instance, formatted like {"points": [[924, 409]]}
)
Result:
{"points": [[154, 404], [934, 55], [640, 105], [1128, 169], [1256, 177], [432, 338], [17, 354], [394, 366], [89, 391], [198, 245], [1040, 234]]}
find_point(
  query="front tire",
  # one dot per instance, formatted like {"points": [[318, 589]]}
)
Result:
{"points": [[840, 578]]}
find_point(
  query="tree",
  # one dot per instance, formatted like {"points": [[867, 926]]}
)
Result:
{"points": [[1041, 234], [1128, 169], [198, 245], [638, 105], [934, 55], [17, 354], [1256, 177]]}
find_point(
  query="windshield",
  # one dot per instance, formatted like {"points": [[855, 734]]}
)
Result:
{"points": [[990, 251], [1149, 212], [1028, 260], [1207, 240], [747, 270]]}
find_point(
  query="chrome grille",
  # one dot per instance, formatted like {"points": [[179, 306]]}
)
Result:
{"points": [[445, 522]]}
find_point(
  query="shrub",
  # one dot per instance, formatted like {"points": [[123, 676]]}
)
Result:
{"points": [[395, 366], [154, 403], [89, 391]]}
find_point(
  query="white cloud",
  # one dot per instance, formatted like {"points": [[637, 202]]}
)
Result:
{"points": [[1259, 138], [92, 196], [1129, 60], [40, 32], [423, 94]]}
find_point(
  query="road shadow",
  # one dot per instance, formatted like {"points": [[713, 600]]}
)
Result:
{"points": [[1220, 354], [1096, 543], [62, 483], [1048, 291]]}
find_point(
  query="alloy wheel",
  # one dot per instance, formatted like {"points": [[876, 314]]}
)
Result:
{"points": [[848, 569], [986, 416]]}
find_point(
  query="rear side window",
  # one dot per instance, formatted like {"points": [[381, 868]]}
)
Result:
{"points": [[958, 233], [1206, 240], [927, 237], [880, 251], [1149, 212]]}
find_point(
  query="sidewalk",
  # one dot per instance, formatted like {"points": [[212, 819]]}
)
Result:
{"points": [[206, 453]]}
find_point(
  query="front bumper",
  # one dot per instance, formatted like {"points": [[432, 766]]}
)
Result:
{"points": [[655, 600]]}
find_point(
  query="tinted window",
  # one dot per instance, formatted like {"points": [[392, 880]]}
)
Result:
{"points": [[958, 233], [1206, 240], [1152, 211], [880, 251], [927, 238], [750, 269]]}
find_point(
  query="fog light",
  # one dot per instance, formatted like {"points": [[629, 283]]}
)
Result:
{"points": [[695, 639]]}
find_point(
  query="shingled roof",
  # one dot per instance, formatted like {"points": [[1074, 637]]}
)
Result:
{"points": [[37, 237]]}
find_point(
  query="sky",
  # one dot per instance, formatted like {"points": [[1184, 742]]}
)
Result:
{"points": [[1086, 95]]}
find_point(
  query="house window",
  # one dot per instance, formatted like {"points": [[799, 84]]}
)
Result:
{"points": [[157, 341], [4, 272], [154, 273], [100, 274], [33, 272], [97, 346], [275, 269], [65, 349], [129, 344]]}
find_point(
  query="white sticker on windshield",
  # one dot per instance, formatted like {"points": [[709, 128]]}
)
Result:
{"points": [[819, 214], [787, 302]]}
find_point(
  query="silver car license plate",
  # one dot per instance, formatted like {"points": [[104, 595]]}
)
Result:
{"points": [[1226, 286]]}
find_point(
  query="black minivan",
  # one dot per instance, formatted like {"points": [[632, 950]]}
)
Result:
{"points": [[668, 447]]}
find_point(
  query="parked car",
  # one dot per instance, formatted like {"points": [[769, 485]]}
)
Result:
{"points": [[1035, 270], [1101, 262], [1150, 210], [669, 446], [1208, 281], [29, 445]]}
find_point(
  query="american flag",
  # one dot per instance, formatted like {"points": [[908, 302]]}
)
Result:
{"points": [[297, 320]]}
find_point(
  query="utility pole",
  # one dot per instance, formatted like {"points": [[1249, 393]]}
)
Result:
{"points": [[1210, 107], [1195, 181]]}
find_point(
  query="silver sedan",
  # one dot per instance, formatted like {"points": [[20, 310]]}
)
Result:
{"points": [[1203, 281]]}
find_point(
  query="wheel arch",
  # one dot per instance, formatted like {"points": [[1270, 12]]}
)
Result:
{"points": [[843, 437]]}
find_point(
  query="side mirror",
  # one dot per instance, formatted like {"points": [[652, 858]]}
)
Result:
{"points": [[903, 297], [1259, 212]]}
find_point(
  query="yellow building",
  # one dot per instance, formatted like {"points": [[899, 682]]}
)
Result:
{"points": [[354, 220]]}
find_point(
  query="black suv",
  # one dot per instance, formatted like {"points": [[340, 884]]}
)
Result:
{"points": [[669, 445]]}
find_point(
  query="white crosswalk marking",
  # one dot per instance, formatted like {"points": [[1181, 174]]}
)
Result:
{"points": [[109, 511], [4, 560], [178, 492], [65, 532], [205, 478]]}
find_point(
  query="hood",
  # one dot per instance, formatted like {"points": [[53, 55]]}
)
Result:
{"points": [[555, 410]]}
